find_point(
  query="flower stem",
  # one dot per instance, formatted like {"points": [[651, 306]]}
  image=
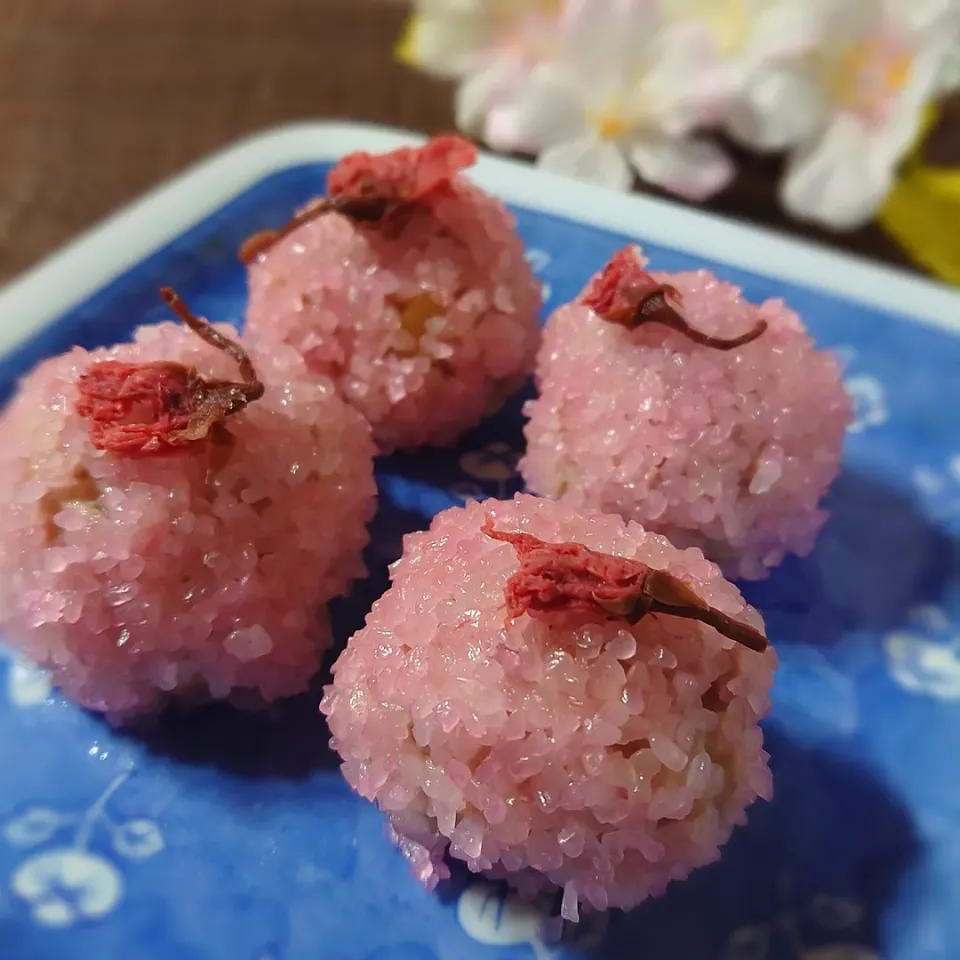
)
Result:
{"points": [[81, 838]]}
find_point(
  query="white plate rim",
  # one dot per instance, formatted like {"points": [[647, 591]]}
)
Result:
{"points": [[89, 262]]}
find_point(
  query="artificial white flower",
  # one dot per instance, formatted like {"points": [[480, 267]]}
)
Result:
{"points": [[489, 45], [852, 108], [948, 80], [622, 94], [443, 36], [746, 37], [925, 658]]}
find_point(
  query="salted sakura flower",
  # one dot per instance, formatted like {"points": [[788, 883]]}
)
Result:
{"points": [[853, 107], [489, 45], [623, 92]]}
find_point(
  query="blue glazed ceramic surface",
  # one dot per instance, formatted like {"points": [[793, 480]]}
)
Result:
{"points": [[223, 836]]}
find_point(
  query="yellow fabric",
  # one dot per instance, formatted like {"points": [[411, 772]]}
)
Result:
{"points": [[922, 213], [406, 48]]}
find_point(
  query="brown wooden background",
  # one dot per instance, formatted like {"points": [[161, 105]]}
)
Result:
{"points": [[99, 99]]}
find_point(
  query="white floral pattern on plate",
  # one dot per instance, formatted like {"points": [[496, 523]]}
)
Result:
{"points": [[493, 915], [832, 915], [869, 397], [27, 685], [539, 260], [869, 403], [925, 657], [66, 884], [940, 487], [493, 469]]}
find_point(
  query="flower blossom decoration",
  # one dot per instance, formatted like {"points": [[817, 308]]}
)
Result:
{"points": [[489, 45], [70, 883], [851, 110], [603, 89], [747, 40], [624, 95], [594, 87]]}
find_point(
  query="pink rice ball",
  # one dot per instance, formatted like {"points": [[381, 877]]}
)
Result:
{"points": [[200, 570], [730, 450], [426, 321], [575, 753]]}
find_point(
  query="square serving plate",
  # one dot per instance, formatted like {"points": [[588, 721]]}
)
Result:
{"points": [[228, 836]]}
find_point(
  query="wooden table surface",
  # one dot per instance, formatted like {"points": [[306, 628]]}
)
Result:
{"points": [[100, 99]]}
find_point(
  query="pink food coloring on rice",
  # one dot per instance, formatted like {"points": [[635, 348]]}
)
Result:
{"points": [[582, 754], [201, 570], [728, 450], [426, 319]]}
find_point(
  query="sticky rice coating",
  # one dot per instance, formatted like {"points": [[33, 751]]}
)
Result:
{"points": [[593, 757], [425, 330], [133, 578], [727, 451]]}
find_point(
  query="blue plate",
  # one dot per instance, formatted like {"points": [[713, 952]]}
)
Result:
{"points": [[224, 835]]}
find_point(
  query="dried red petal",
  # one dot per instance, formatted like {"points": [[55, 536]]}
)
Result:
{"points": [[623, 285], [136, 407], [378, 188], [146, 408], [569, 578], [566, 577], [407, 175]]}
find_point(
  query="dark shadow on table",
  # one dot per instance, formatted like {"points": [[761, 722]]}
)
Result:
{"points": [[877, 557], [287, 740], [483, 464], [817, 867]]}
